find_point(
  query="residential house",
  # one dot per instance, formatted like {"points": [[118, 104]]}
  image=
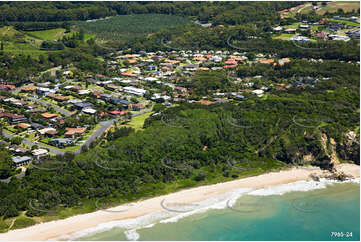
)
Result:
{"points": [[42, 91], [81, 105], [134, 91], [205, 102], [39, 153], [89, 111], [36, 126], [105, 96], [13, 118], [49, 115], [74, 132], [62, 142], [277, 29], [18, 149], [57, 98], [23, 125], [117, 113], [117, 101], [258, 92], [290, 31], [48, 131], [21, 160], [304, 26], [4, 87], [83, 92], [137, 107]]}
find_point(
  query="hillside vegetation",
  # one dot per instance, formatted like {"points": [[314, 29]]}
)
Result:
{"points": [[129, 26]]}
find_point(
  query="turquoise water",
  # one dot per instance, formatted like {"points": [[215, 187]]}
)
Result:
{"points": [[311, 215]]}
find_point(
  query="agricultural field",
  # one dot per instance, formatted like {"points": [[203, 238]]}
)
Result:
{"points": [[331, 7], [17, 42], [28, 42], [334, 6], [54, 34], [128, 26], [50, 34]]}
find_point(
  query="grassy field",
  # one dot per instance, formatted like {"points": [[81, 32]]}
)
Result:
{"points": [[27, 43], [345, 22], [129, 26], [334, 6], [331, 7], [50, 34], [55, 34], [137, 122], [282, 36], [17, 42], [292, 26]]}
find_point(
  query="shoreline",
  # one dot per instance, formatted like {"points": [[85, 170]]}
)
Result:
{"points": [[65, 227]]}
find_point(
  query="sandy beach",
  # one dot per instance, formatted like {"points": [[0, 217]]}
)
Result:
{"points": [[54, 229]]}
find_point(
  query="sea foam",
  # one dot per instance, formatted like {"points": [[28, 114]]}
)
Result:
{"points": [[301, 186], [220, 202]]}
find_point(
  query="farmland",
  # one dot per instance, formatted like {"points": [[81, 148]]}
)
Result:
{"points": [[332, 7], [54, 34], [28, 42], [128, 26], [17, 42]]}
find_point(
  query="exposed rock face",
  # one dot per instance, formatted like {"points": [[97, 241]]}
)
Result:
{"points": [[338, 175], [331, 153], [333, 174], [349, 149]]}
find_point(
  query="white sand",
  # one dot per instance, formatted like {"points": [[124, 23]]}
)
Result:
{"points": [[54, 229]]}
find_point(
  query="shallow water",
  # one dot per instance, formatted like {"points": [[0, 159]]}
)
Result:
{"points": [[268, 214]]}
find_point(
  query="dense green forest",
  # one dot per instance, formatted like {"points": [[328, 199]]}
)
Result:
{"points": [[218, 12]]}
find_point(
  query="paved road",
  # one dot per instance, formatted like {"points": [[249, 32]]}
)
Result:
{"points": [[19, 176], [104, 125], [60, 110], [307, 5], [31, 143]]}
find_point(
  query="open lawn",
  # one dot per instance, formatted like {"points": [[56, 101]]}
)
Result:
{"points": [[292, 26], [137, 122], [282, 36], [345, 22]]}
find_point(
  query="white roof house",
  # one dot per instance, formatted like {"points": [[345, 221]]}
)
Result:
{"points": [[89, 110], [278, 28], [39, 152], [258, 92], [134, 91]]}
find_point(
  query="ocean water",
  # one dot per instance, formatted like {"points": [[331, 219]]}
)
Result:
{"points": [[304, 210]]}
